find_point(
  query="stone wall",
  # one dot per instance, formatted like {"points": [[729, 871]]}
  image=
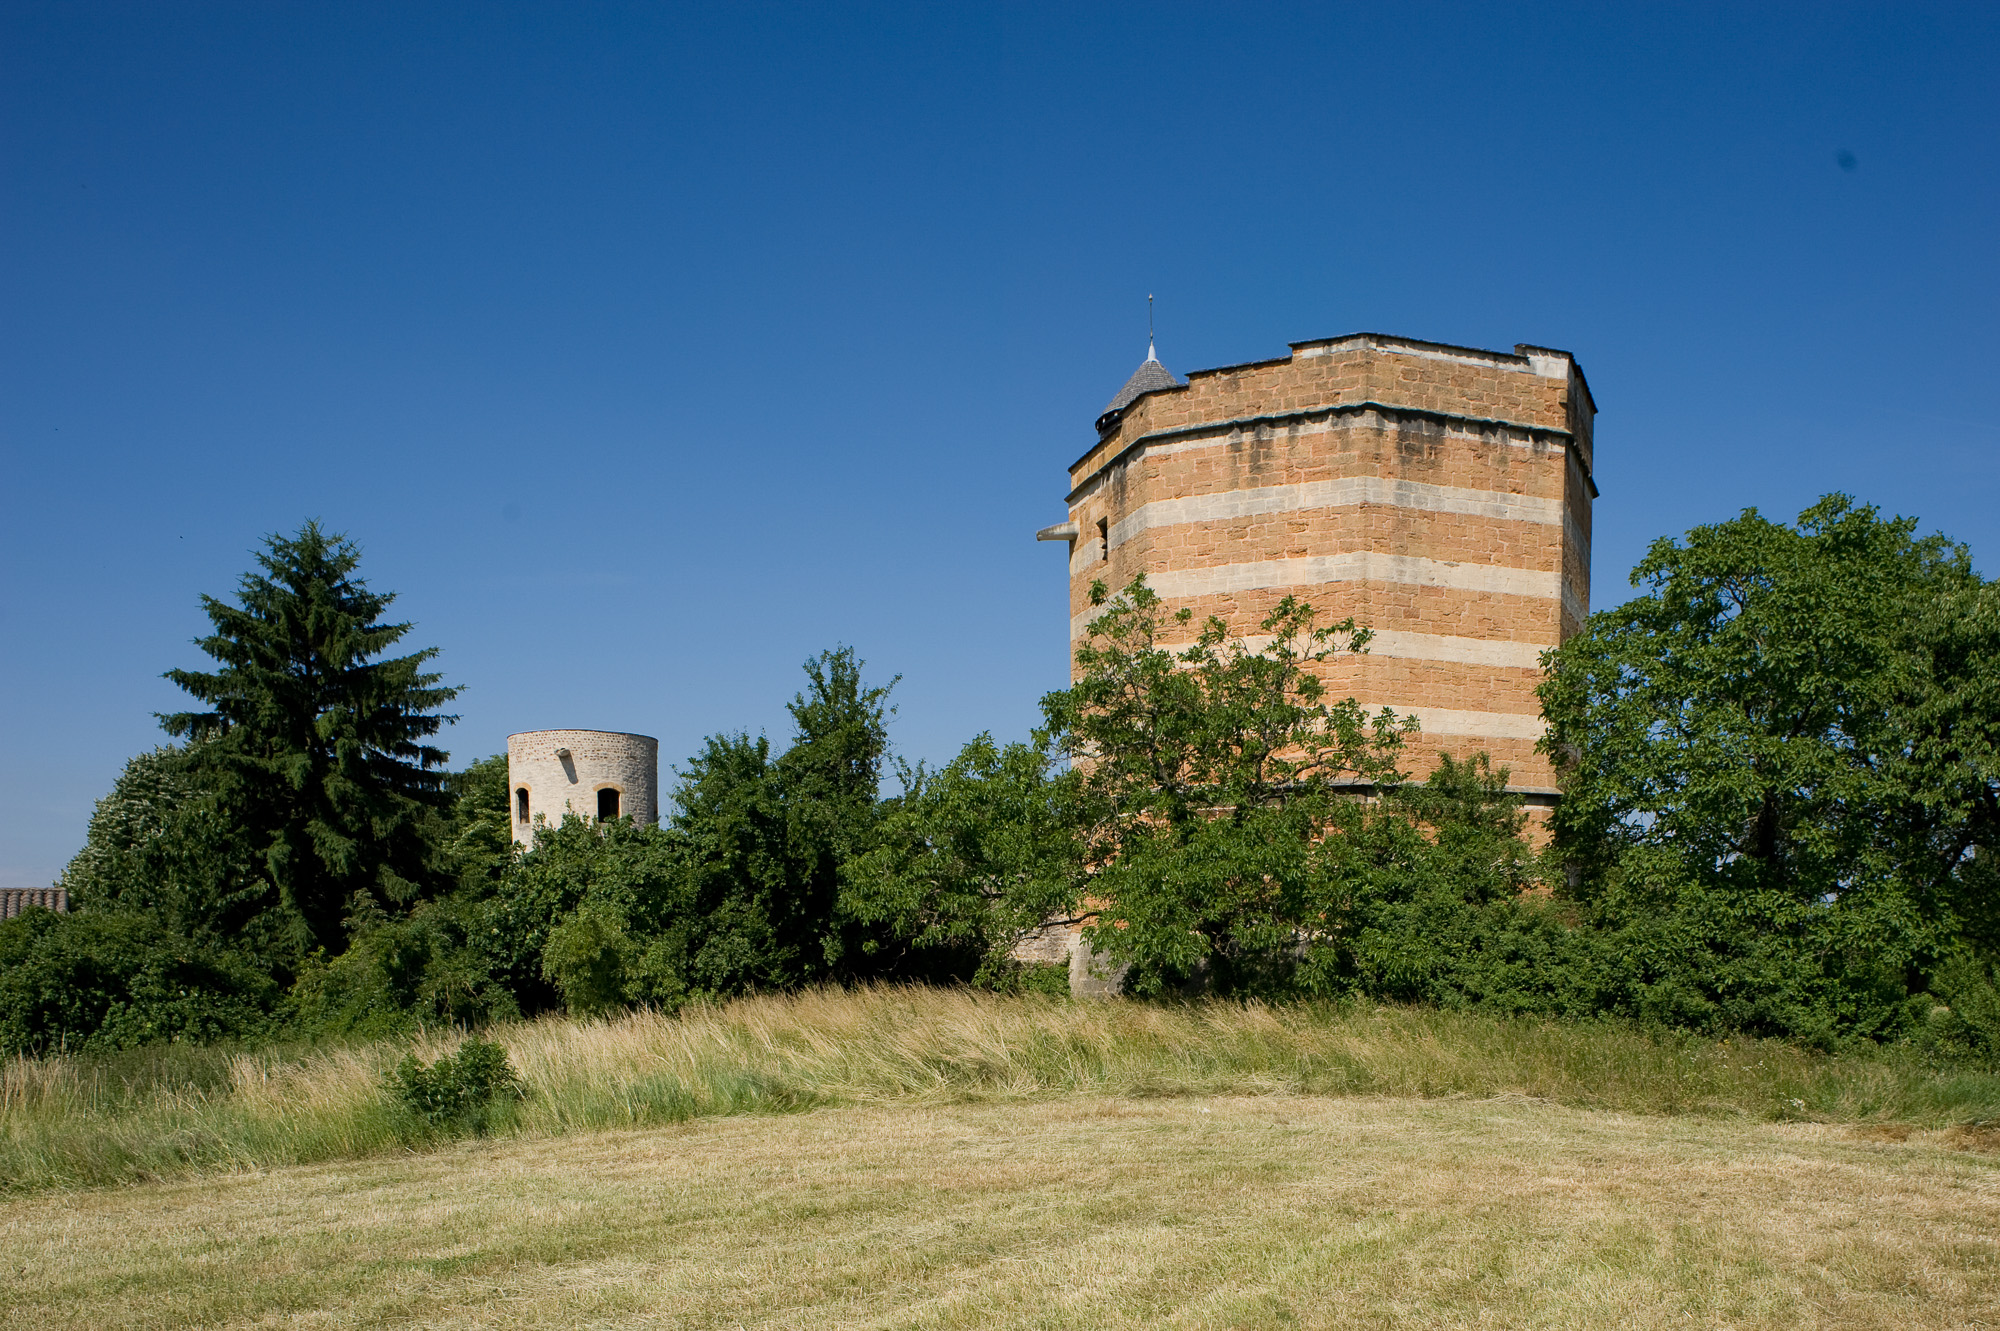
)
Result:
{"points": [[563, 771]]}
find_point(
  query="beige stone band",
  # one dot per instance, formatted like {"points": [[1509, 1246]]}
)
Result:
{"points": [[1355, 566], [1343, 492]]}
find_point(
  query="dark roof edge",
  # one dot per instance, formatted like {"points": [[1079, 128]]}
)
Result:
{"points": [[1332, 409], [1248, 364], [1116, 414], [1519, 356], [1525, 347]]}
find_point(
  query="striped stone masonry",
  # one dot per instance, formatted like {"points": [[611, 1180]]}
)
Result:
{"points": [[14, 900], [1440, 495]]}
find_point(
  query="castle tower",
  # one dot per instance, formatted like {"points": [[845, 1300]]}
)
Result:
{"points": [[1441, 495], [598, 774]]}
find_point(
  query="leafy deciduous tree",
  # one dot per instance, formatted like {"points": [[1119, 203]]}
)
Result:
{"points": [[968, 858], [765, 838], [1213, 774], [161, 845], [1778, 763]]}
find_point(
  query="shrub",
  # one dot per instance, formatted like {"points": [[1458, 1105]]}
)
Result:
{"points": [[457, 1093], [629, 871], [1964, 1012], [1003, 975], [586, 959], [96, 982], [435, 965]]}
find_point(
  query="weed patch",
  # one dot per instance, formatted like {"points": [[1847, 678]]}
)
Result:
{"points": [[459, 1093]]}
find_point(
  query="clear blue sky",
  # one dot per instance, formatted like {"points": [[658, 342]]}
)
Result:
{"points": [[646, 351]]}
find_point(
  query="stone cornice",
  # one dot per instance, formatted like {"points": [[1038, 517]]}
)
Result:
{"points": [[1551, 433]]}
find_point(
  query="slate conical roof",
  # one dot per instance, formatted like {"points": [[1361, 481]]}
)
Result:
{"points": [[1149, 376]]}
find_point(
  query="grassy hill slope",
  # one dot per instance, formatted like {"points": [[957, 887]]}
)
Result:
{"points": [[170, 1112]]}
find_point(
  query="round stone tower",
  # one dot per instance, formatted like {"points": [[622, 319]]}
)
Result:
{"points": [[597, 774]]}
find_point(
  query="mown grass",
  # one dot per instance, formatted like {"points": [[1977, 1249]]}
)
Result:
{"points": [[1253, 1213], [167, 1113]]}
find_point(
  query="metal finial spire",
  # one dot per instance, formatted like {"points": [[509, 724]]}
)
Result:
{"points": [[1150, 353]]}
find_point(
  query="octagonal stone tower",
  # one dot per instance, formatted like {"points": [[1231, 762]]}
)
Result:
{"points": [[598, 774], [1440, 494]]}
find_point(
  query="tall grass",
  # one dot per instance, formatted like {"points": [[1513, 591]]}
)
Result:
{"points": [[160, 1113]]}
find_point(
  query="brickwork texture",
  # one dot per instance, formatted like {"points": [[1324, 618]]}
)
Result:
{"points": [[1440, 495]]}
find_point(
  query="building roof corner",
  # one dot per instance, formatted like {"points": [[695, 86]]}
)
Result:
{"points": [[1150, 377]]}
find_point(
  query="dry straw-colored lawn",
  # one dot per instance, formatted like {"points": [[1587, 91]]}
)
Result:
{"points": [[925, 1158], [1080, 1211]]}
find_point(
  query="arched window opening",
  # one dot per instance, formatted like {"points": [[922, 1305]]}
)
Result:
{"points": [[607, 804], [521, 805]]}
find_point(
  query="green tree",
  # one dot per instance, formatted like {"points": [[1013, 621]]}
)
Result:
{"points": [[1778, 765], [589, 957], [830, 783], [739, 890], [1212, 775], [1433, 901], [621, 889], [162, 845], [730, 820], [101, 981], [967, 859], [475, 833], [766, 839], [1945, 704], [443, 960], [314, 741]]}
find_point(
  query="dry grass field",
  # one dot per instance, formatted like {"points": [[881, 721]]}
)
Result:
{"points": [[1278, 1210], [164, 1113], [929, 1158]]}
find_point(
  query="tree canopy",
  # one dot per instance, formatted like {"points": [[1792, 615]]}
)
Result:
{"points": [[313, 741], [1781, 806], [1778, 767], [1211, 775]]}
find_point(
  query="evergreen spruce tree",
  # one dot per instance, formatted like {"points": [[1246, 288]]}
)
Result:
{"points": [[314, 742]]}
